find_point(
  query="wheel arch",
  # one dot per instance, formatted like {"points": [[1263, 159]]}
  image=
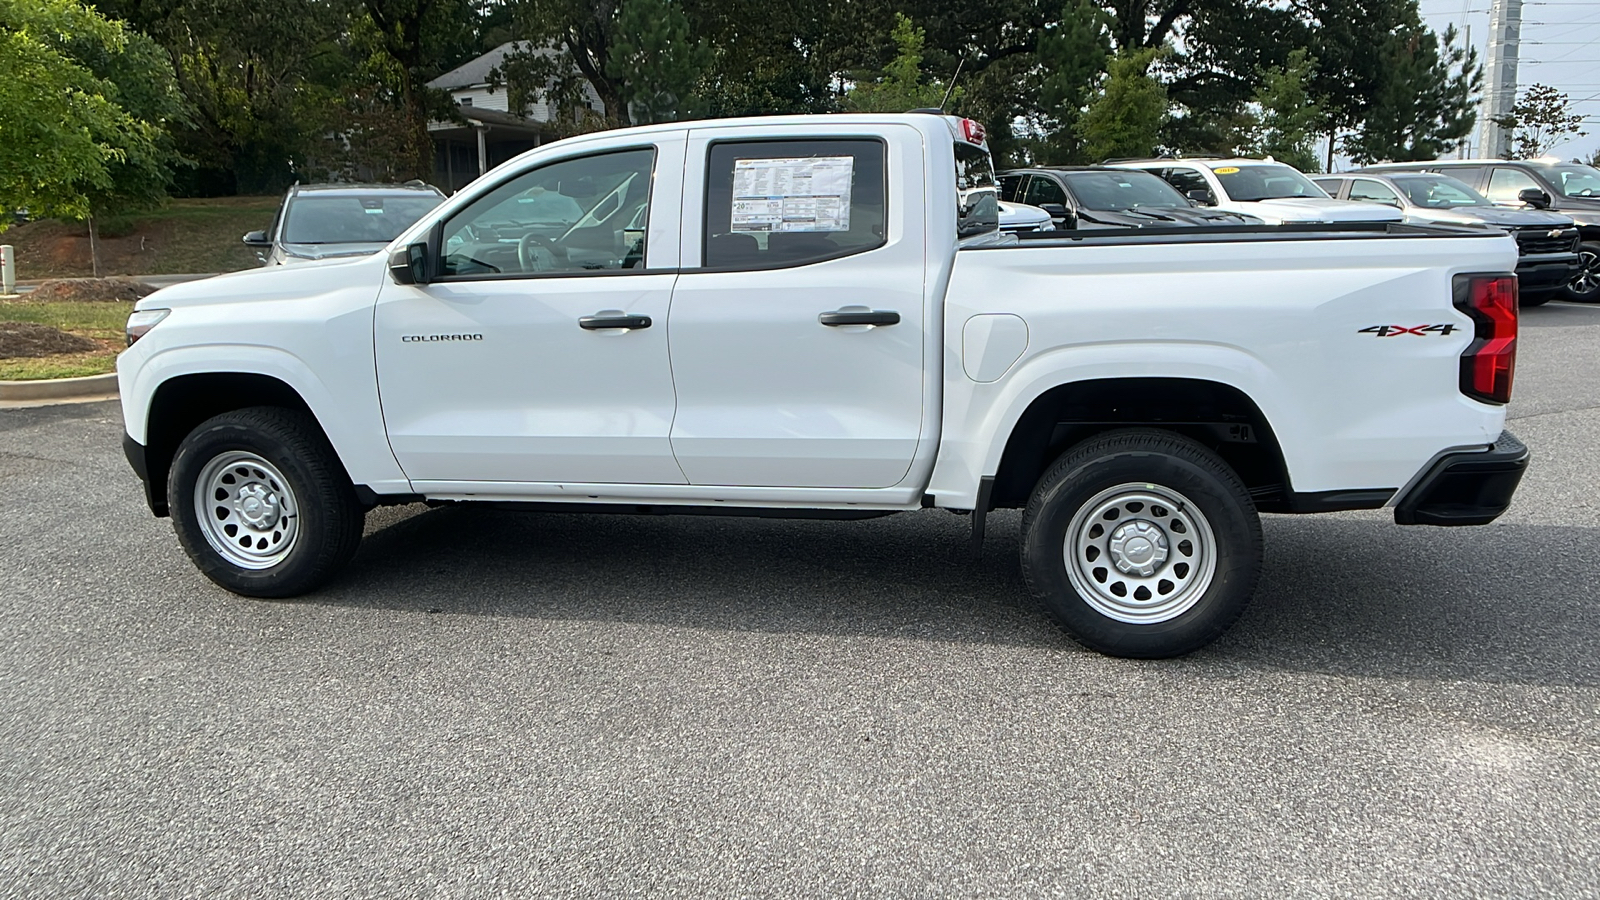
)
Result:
{"points": [[182, 402], [1217, 415]]}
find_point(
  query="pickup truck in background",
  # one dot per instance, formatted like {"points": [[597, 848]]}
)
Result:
{"points": [[817, 316]]}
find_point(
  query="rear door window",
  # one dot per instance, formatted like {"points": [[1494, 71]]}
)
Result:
{"points": [[775, 204]]}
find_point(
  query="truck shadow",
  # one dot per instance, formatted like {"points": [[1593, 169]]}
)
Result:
{"points": [[1351, 596]]}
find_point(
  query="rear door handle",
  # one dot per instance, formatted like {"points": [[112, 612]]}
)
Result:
{"points": [[864, 317], [611, 320]]}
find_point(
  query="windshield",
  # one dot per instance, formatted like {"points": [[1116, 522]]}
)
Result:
{"points": [[1439, 192], [371, 219], [1116, 191], [1247, 184], [1576, 181]]}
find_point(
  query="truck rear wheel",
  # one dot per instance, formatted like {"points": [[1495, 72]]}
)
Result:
{"points": [[261, 503], [1141, 543]]}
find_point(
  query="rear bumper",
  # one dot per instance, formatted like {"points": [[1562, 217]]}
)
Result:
{"points": [[1467, 487], [1546, 271]]}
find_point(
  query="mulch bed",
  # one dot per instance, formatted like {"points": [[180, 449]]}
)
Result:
{"points": [[23, 339], [89, 290]]}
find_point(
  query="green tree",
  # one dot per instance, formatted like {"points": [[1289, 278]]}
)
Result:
{"points": [[1126, 119], [75, 91], [656, 64], [1540, 119], [1424, 100], [1289, 119], [1072, 54], [901, 86], [424, 38]]}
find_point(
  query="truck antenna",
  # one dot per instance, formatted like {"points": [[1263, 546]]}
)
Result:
{"points": [[947, 91]]}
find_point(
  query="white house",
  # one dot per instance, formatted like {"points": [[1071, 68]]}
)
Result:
{"points": [[492, 134]]}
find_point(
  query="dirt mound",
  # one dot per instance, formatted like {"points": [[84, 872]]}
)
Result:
{"points": [[81, 290], [23, 339]]}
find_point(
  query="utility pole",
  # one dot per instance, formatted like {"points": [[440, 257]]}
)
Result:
{"points": [[1500, 77]]}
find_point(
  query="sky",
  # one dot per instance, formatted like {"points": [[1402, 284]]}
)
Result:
{"points": [[1560, 48]]}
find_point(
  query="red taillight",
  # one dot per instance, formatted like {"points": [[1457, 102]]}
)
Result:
{"points": [[973, 131], [1491, 360]]}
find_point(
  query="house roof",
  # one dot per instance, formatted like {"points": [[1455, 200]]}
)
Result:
{"points": [[476, 72]]}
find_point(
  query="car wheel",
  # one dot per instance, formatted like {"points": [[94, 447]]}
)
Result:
{"points": [[1585, 287], [1141, 543], [261, 503]]}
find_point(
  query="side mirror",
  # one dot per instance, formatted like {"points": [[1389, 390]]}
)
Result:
{"points": [[1063, 217], [409, 265], [1201, 196], [1534, 197], [257, 239]]}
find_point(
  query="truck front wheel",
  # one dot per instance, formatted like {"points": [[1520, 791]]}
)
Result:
{"points": [[1141, 543], [261, 503]]}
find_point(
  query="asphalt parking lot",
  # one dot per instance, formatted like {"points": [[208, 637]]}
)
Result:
{"points": [[495, 703]]}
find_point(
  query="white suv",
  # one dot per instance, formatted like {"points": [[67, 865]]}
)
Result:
{"points": [[1271, 191]]}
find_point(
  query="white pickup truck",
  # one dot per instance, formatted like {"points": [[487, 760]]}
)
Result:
{"points": [[815, 316]]}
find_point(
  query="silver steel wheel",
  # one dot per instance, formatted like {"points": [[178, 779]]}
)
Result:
{"points": [[1140, 553], [1588, 279], [246, 510]]}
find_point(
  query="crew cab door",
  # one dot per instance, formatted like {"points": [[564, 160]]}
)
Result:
{"points": [[797, 323], [539, 352]]}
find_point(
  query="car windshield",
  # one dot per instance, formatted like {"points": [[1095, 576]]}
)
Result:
{"points": [[1270, 182], [1116, 191], [1576, 181], [353, 219], [1439, 192]]}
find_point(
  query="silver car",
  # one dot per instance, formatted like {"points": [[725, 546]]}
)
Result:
{"points": [[324, 221]]}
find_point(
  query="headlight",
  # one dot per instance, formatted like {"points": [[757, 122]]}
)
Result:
{"points": [[142, 320]]}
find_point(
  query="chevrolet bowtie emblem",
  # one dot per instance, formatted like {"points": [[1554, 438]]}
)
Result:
{"points": [[1554, 232]]}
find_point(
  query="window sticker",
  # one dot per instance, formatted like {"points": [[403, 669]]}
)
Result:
{"points": [[809, 194], [1226, 170]]}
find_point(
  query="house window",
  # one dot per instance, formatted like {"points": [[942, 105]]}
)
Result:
{"points": [[466, 101]]}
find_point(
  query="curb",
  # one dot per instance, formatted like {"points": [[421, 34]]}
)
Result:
{"points": [[60, 388]]}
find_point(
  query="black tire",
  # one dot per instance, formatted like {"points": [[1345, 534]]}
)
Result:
{"points": [[1526, 300], [1168, 491], [315, 525], [1585, 288]]}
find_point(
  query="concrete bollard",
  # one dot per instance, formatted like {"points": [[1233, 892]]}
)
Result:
{"points": [[8, 269]]}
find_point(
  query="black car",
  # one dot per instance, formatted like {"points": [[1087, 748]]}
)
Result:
{"points": [[1569, 188], [324, 221], [1100, 197]]}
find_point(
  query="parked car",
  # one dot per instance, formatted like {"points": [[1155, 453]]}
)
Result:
{"points": [[1103, 197], [1016, 218], [324, 221], [1546, 241], [821, 319], [1569, 188], [1271, 191]]}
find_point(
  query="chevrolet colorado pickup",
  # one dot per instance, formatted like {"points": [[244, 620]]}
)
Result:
{"points": [[816, 316]]}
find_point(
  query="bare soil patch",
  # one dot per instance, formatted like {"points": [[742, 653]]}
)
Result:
{"points": [[25, 339], [90, 290]]}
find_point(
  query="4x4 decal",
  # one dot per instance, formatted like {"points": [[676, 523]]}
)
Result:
{"points": [[1418, 330]]}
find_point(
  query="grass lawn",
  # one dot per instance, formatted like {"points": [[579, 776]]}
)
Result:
{"points": [[184, 237], [99, 322]]}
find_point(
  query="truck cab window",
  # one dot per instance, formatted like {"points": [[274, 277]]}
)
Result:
{"points": [[775, 204], [577, 215]]}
